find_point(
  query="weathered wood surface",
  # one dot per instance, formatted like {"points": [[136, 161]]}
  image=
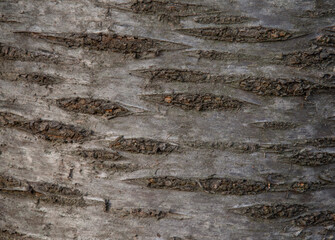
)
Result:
{"points": [[167, 120]]}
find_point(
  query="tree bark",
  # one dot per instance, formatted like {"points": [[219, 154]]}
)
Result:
{"points": [[156, 119]]}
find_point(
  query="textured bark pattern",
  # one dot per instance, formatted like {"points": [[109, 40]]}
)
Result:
{"points": [[272, 211], [167, 120], [92, 106], [250, 34]]}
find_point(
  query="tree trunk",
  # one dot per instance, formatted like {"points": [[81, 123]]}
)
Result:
{"points": [[157, 119]]}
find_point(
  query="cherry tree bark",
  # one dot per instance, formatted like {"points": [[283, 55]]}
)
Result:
{"points": [[155, 119]]}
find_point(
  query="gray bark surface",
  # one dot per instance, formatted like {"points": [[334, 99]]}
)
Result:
{"points": [[156, 119]]}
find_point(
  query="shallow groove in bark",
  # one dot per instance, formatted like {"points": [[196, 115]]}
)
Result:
{"points": [[48, 130], [142, 145], [136, 46], [91, 106]]}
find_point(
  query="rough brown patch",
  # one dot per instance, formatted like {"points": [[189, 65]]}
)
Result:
{"points": [[41, 191], [277, 148], [273, 211], [100, 154], [8, 19], [327, 40], [330, 29], [280, 183], [114, 167], [133, 45], [328, 79], [235, 146], [168, 11], [226, 186], [179, 75], [313, 159], [13, 235], [57, 194], [10, 182], [317, 218], [249, 147], [215, 55], [275, 125], [199, 102], [320, 58], [318, 13], [318, 142], [61, 200], [301, 187], [328, 175], [48, 130], [98, 107], [279, 87], [13, 53], [53, 188], [167, 7], [140, 213], [243, 34], [182, 238], [260, 85], [38, 78], [142, 145], [223, 186], [220, 19]]}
